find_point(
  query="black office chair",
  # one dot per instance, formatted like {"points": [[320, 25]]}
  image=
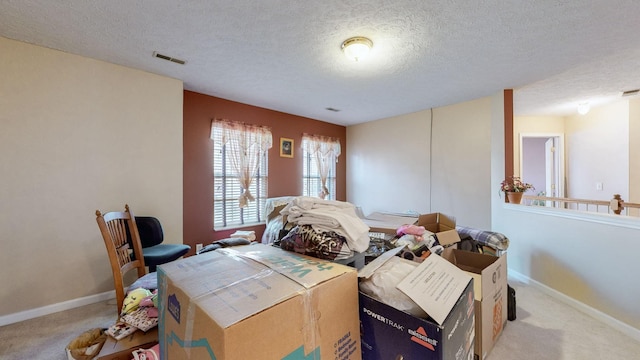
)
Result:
{"points": [[153, 250]]}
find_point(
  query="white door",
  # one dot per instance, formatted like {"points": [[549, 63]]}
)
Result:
{"points": [[550, 168]]}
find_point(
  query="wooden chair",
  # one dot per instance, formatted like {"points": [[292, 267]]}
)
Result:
{"points": [[124, 255]]}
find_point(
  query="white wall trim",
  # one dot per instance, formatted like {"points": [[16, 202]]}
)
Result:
{"points": [[596, 314], [54, 308]]}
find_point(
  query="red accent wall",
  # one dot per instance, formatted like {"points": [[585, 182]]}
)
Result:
{"points": [[285, 174]]}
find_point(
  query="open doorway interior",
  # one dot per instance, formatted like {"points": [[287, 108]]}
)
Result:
{"points": [[542, 163]]}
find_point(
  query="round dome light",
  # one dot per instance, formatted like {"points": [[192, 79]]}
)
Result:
{"points": [[357, 47]]}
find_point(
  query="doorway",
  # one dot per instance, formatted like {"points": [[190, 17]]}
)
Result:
{"points": [[542, 163]]}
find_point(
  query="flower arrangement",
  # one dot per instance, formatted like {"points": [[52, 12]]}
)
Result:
{"points": [[515, 184]]}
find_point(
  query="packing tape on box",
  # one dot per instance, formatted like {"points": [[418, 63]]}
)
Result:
{"points": [[310, 327], [224, 292], [188, 334]]}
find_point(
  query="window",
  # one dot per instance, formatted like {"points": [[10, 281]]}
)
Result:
{"points": [[320, 155], [239, 173]]}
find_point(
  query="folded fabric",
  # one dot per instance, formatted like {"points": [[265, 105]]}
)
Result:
{"points": [[120, 330], [329, 215], [303, 239], [491, 238], [140, 319], [152, 312]]}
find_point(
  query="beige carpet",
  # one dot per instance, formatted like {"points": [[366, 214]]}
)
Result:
{"points": [[46, 337], [545, 329]]}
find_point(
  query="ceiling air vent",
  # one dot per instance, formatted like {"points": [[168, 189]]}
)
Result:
{"points": [[169, 58], [631, 92]]}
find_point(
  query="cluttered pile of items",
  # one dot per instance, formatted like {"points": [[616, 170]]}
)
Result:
{"points": [[330, 282], [134, 335], [416, 294], [442, 295]]}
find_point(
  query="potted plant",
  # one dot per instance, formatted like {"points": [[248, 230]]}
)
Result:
{"points": [[514, 188]]}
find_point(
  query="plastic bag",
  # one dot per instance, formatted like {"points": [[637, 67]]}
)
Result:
{"points": [[382, 286], [87, 345]]}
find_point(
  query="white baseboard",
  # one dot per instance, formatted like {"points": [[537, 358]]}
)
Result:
{"points": [[54, 308], [597, 314], [594, 313]]}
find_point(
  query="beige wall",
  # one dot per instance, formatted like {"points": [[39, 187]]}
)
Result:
{"points": [[597, 151], [387, 158], [78, 135], [460, 168], [391, 159], [587, 261]]}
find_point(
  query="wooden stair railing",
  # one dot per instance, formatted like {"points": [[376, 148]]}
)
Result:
{"points": [[615, 206]]}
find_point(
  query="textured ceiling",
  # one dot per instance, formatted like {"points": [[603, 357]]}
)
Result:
{"points": [[285, 54]]}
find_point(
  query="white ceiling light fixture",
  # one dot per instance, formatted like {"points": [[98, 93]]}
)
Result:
{"points": [[583, 108], [357, 47]]}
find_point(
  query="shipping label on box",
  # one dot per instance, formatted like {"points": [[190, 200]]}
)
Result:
{"points": [[435, 285], [490, 283], [257, 301]]}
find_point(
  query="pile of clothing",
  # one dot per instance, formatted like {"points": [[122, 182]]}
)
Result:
{"points": [[139, 312], [326, 229]]}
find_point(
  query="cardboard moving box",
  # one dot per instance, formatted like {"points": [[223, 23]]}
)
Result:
{"points": [[490, 288], [440, 289], [257, 302], [442, 225]]}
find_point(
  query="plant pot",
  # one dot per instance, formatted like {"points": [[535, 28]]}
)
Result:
{"points": [[514, 197]]}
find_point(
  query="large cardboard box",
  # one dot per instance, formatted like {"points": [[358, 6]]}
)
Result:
{"points": [[442, 225], [440, 290], [257, 302], [490, 289]]}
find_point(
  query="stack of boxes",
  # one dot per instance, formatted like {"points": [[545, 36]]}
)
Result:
{"points": [[489, 275], [258, 301]]}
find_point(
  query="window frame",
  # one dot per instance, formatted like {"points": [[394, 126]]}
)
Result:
{"points": [[226, 189], [310, 174]]}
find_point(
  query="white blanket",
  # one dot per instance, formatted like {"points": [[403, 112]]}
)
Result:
{"points": [[329, 215]]}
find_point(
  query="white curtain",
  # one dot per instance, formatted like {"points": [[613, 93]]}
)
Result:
{"points": [[326, 150], [245, 145]]}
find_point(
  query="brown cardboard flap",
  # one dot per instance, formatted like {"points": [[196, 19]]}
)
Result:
{"points": [[437, 222], [474, 260], [448, 237]]}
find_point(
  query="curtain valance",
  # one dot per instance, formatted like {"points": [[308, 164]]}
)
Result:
{"points": [[325, 145], [246, 145]]}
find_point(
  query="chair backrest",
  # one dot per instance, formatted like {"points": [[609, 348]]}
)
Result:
{"points": [[124, 254], [150, 231]]}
